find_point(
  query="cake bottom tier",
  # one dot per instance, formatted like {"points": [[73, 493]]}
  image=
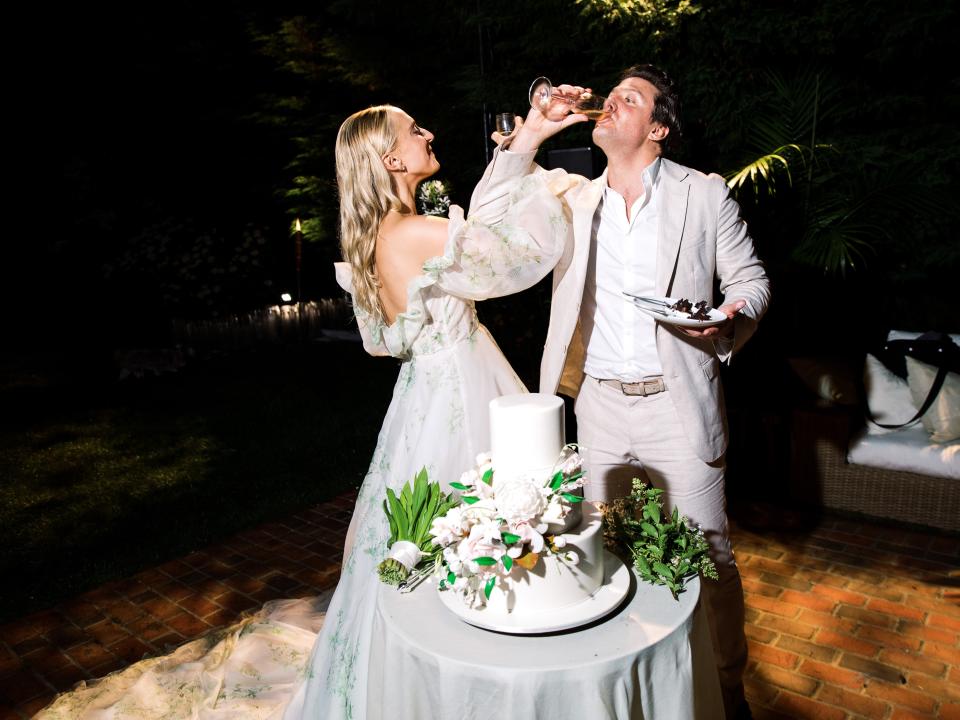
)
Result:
{"points": [[555, 582]]}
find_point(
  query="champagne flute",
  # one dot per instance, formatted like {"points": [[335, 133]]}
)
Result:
{"points": [[505, 123], [556, 105]]}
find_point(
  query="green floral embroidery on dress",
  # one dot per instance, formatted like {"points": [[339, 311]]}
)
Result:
{"points": [[250, 671]]}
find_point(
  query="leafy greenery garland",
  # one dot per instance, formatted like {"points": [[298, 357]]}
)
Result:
{"points": [[664, 548]]}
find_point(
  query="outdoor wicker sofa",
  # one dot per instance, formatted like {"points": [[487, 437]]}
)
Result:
{"points": [[821, 475]]}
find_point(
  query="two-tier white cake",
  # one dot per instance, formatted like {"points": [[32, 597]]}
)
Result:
{"points": [[569, 582]]}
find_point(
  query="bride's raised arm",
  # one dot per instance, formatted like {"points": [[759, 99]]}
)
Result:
{"points": [[498, 252]]}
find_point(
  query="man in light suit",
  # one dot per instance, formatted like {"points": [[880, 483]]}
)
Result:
{"points": [[649, 402]]}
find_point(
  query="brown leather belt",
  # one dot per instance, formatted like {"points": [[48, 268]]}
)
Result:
{"points": [[650, 386]]}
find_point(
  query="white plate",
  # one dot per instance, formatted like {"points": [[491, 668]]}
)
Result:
{"points": [[616, 584], [674, 317]]}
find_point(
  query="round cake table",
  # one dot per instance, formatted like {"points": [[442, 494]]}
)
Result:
{"points": [[652, 658]]}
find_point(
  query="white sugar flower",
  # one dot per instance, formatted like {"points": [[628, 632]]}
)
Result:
{"points": [[559, 541], [481, 542], [469, 477], [469, 591], [489, 531], [483, 459], [557, 510], [480, 512], [529, 535], [570, 462], [483, 491], [452, 559], [449, 527], [520, 500]]}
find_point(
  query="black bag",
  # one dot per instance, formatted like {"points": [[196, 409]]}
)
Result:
{"points": [[933, 348]]}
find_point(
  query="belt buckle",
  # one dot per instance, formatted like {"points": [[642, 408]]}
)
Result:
{"points": [[650, 387]]}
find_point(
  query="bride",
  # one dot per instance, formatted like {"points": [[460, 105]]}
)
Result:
{"points": [[413, 280]]}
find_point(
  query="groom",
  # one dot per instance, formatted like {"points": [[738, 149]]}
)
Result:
{"points": [[649, 402]]}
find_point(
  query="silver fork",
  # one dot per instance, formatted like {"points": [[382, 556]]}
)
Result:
{"points": [[649, 308], [652, 301]]}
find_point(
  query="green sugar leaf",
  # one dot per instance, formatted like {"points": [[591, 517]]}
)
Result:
{"points": [[556, 482], [485, 561]]}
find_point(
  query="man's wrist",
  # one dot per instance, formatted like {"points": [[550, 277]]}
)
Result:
{"points": [[524, 142]]}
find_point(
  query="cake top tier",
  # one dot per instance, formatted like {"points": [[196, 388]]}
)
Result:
{"points": [[526, 433]]}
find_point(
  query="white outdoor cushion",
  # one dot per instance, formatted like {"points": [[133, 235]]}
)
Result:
{"points": [[908, 450], [888, 396], [942, 420]]}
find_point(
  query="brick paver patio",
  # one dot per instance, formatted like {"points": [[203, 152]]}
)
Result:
{"points": [[845, 619]]}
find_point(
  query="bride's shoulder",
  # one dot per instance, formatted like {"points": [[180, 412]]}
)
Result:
{"points": [[414, 231]]}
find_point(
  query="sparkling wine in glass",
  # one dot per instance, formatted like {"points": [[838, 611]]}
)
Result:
{"points": [[556, 105]]}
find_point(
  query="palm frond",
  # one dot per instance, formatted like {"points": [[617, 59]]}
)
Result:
{"points": [[837, 248], [840, 233], [764, 170], [798, 108]]}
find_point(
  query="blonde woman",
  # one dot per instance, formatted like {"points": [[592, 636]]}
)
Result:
{"points": [[413, 280]]}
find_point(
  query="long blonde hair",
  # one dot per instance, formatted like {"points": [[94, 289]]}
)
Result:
{"points": [[367, 194]]}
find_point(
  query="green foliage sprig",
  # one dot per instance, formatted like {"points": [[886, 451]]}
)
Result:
{"points": [[410, 515], [664, 548]]}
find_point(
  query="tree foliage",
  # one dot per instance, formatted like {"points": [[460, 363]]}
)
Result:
{"points": [[841, 108], [195, 112]]}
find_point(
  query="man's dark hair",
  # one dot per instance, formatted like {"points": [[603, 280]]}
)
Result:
{"points": [[666, 106]]}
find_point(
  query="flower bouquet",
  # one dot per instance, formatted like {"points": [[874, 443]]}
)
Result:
{"points": [[410, 515], [665, 550], [499, 525], [433, 197]]}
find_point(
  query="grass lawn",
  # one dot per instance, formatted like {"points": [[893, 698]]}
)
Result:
{"points": [[102, 478]]}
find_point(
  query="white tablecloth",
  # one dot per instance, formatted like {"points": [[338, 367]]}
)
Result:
{"points": [[652, 659]]}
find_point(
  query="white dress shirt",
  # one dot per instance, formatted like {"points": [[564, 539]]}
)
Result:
{"points": [[619, 338]]}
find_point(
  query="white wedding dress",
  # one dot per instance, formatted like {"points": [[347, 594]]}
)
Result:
{"points": [[438, 419]]}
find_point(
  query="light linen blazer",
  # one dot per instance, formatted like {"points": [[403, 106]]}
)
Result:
{"points": [[701, 237]]}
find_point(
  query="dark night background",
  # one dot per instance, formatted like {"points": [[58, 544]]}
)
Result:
{"points": [[161, 152], [223, 116]]}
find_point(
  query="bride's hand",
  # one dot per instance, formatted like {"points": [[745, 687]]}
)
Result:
{"points": [[500, 139]]}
